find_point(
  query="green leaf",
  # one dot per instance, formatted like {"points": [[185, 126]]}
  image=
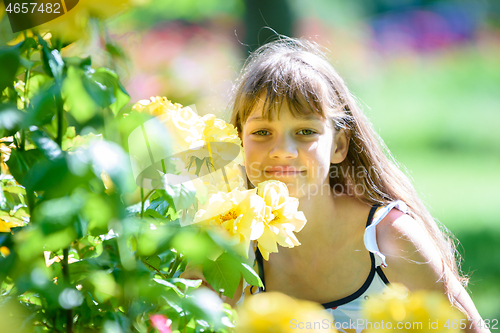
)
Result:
{"points": [[52, 60], [52, 176], [38, 82], [99, 86], [115, 50], [250, 275], [56, 214], [171, 211], [77, 100], [183, 195], [45, 144], [105, 89], [204, 304], [187, 283], [9, 62], [28, 64], [14, 189], [195, 246], [10, 119], [154, 261], [159, 205], [98, 211], [121, 98], [3, 200], [42, 108], [27, 45], [111, 158], [168, 284], [111, 79], [223, 273], [82, 63], [21, 161], [154, 214]]}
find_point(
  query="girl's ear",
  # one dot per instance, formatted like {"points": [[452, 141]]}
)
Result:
{"points": [[340, 147]]}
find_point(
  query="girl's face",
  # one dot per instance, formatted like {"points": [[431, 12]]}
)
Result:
{"points": [[296, 151]]}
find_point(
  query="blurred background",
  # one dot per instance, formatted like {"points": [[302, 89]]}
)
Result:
{"points": [[426, 72]]}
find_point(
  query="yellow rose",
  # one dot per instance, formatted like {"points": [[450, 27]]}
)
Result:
{"points": [[420, 311], [282, 218], [217, 130], [232, 214], [183, 124], [218, 182], [156, 106], [221, 144], [277, 312]]}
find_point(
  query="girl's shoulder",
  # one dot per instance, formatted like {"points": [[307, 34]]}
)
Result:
{"points": [[411, 256]]}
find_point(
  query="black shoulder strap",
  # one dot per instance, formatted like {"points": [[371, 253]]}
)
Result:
{"points": [[260, 264], [372, 212]]}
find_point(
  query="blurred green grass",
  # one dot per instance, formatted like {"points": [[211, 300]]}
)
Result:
{"points": [[440, 116]]}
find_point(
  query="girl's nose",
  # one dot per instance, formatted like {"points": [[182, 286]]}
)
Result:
{"points": [[284, 148]]}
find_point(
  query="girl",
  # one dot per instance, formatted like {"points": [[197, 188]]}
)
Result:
{"points": [[366, 226]]}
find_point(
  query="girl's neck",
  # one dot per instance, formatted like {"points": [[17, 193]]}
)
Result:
{"points": [[333, 222], [326, 216]]}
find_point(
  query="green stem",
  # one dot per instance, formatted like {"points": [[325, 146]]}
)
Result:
{"points": [[65, 271], [60, 116], [59, 44], [31, 202], [23, 140], [26, 103], [156, 270], [142, 202], [177, 262], [30, 194]]}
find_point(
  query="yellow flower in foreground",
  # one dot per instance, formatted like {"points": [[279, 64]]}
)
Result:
{"points": [[183, 125], [421, 311], [218, 131], [282, 218], [157, 106], [233, 215], [220, 145], [216, 182], [277, 312]]}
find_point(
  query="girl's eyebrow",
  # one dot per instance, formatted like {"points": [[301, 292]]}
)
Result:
{"points": [[259, 118]]}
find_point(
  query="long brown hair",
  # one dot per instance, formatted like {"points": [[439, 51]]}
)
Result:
{"points": [[297, 72]]}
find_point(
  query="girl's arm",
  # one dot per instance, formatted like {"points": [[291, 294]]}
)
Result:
{"points": [[414, 261]]}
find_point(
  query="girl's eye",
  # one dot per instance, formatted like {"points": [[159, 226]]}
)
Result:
{"points": [[260, 132], [307, 132]]}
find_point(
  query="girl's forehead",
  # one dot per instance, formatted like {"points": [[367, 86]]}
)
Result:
{"points": [[263, 111], [281, 115]]}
